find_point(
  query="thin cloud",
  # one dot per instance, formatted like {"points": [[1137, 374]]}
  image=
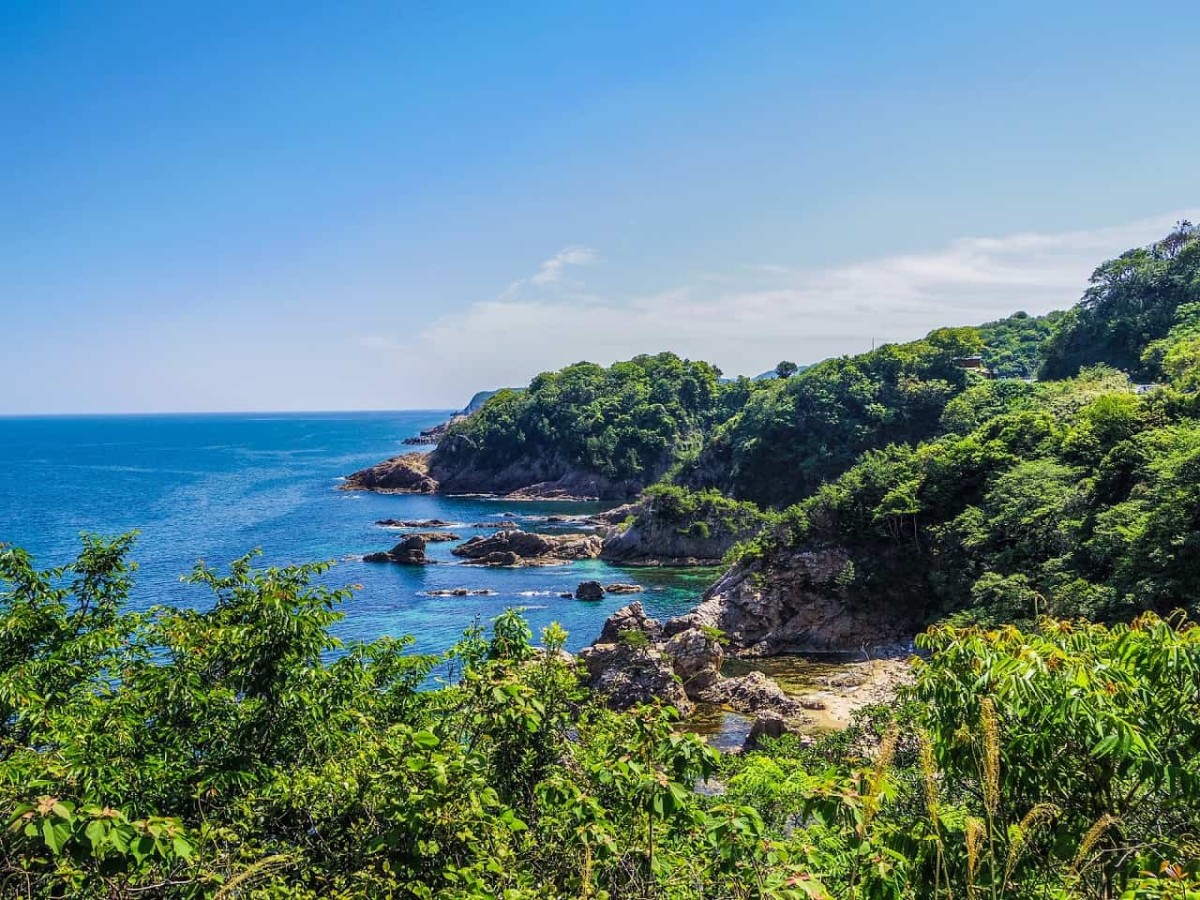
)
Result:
{"points": [[745, 322], [551, 270]]}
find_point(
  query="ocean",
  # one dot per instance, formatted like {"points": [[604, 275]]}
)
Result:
{"points": [[214, 487]]}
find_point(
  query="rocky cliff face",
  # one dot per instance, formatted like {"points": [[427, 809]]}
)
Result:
{"points": [[794, 603], [427, 473]]}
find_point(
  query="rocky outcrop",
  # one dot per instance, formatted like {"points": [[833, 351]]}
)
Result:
{"points": [[522, 548], [413, 523], [627, 676], [409, 552], [794, 603], [589, 590], [405, 474], [436, 537], [434, 434], [627, 619], [460, 592], [434, 472], [628, 672], [754, 693], [632, 663]]}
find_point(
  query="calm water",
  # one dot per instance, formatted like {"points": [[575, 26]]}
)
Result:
{"points": [[213, 487]]}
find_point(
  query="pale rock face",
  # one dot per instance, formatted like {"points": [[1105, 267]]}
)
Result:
{"points": [[696, 659], [793, 604]]}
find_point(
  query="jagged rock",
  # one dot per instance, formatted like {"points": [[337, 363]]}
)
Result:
{"points": [[629, 618], [413, 523], [461, 592], [623, 587], [409, 552], [507, 525], [696, 660], [589, 590], [405, 474], [526, 548], [567, 595], [626, 676], [684, 669]]}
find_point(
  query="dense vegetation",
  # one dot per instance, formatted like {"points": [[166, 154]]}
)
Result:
{"points": [[1077, 497], [793, 434], [239, 752], [1132, 301], [626, 423], [1012, 347]]}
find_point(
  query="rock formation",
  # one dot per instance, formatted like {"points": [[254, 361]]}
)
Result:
{"points": [[647, 534], [413, 523], [409, 552], [623, 587], [795, 604], [635, 661], [589, 590], [522, 548], [405, 474]]}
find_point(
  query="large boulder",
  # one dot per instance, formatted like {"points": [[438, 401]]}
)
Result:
{"points": [[409, 552], [697, 661], [527, 548], [405, 474], [589, 590]]}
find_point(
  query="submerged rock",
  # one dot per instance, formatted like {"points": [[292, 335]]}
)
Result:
{"points": [[461, 592], [413, 523], [622, 587]]}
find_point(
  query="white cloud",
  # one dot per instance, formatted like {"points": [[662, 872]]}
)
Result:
{"points": [[745, 322], [551, 270]]}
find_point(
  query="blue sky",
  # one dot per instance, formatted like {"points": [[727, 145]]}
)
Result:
{"points": [[382, 205]]}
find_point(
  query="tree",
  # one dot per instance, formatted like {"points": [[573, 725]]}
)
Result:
{"points": [[786, 369]]}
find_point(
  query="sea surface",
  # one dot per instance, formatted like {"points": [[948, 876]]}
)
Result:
{"points": [[214, 487]]}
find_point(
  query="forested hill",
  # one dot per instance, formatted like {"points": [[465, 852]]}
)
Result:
{"points": [[1076, 497]]}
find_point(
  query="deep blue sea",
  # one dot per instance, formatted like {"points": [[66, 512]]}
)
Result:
{"points": [[214, 487]]}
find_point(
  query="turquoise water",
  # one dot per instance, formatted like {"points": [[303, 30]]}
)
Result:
{"points": [[213, 487]]}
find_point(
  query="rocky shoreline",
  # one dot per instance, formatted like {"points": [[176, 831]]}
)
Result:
{"points": [[637, 660]]}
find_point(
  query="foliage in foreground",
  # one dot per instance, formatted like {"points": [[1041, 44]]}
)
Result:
{"points": [[232, 753]]}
